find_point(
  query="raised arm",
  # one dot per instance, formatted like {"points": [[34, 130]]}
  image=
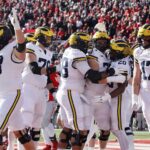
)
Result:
{"points": [[19, 51]]}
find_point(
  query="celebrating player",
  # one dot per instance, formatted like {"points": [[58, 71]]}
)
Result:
{"points": [[12, 56], [141, 75], [35, 80]]}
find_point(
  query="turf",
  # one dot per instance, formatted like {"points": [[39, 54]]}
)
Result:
{"points": [[142, 135]]}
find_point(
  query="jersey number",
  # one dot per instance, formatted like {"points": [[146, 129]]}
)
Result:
{"points": [[1, 61], [143, 64], [122, 62], [64, 65], [45, 63]]}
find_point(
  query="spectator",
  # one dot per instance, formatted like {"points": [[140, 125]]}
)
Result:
{"points": [[122, 17]]}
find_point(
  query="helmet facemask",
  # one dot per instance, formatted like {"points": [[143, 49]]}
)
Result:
{"points": [[101, 44], [101, 40], [145, 41], [45, 40], [114, 55], [82, 45]]}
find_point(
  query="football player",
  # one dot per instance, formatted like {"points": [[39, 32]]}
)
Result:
{"points": [[119, 55], [12, 56], [29, 38], [128, 106], [101, 42], [35, 80], [141, 75], [75, 70]]}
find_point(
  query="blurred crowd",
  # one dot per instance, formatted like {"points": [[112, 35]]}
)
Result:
{"points": [[122, 17]]}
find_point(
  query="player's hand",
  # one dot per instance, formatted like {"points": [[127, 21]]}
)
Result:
{"points": [[135, 102], [116, 79], [120, 71], [101, 99], [116, 71], [14, 20]]}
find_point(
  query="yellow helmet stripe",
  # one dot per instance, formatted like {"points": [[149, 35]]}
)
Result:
{"points": [[1, 32]]}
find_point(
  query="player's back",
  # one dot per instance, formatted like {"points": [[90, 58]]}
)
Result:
{"points": [[71, 78], [10, 69]]}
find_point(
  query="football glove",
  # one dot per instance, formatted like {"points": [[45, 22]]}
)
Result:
{"points": [[120, 71], [101, 99], [116, 79], [135, 102], [14, 20], [116, 71]]}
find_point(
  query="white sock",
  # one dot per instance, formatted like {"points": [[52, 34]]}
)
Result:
{"points": [[11, 140], [45, 136], [131, 142], [122, 138], [130, 137]]}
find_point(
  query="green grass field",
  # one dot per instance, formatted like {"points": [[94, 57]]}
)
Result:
{"points": [[142, 135]]}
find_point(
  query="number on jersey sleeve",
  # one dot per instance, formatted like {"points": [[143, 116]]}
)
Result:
{"points": [[64, 65], [146, 74]]}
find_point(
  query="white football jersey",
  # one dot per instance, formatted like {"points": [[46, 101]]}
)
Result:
{"points": [[103, 65], [10, 69], [71, 77], [43, 58], [123, 64], [142, 56]]}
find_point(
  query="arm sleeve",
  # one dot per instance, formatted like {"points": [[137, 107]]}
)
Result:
{"points": [[92, 75], [35, 68], [82, 66]]}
